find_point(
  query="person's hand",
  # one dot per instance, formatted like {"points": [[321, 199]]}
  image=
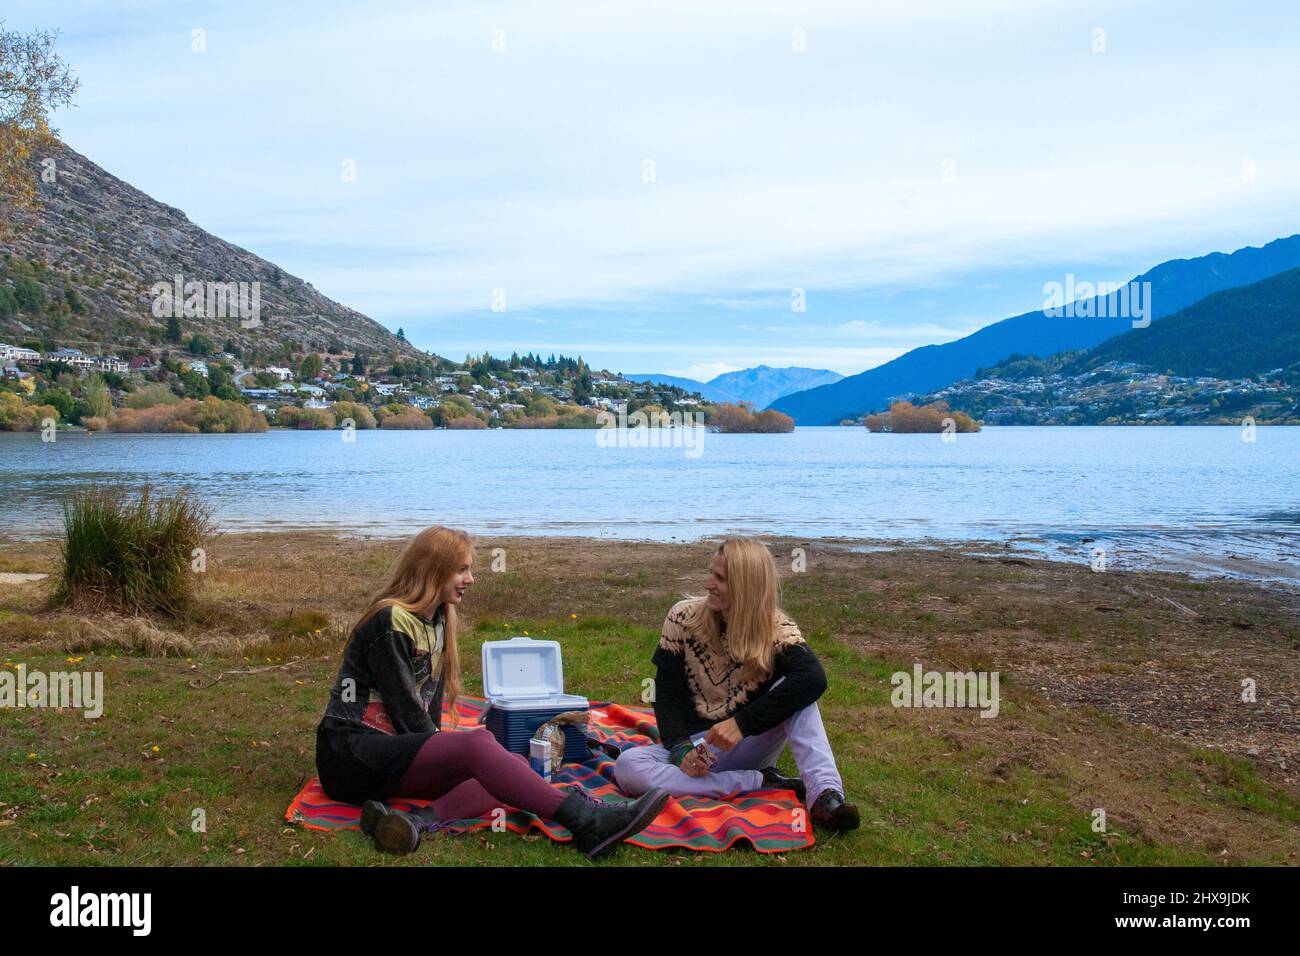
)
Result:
{"points": [[693, 765], [725, 735]]}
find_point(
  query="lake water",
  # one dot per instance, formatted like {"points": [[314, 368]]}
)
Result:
{"points": [[1194, 498]]}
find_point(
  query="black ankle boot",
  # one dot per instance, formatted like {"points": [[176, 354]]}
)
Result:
{"points": [[834, 812], [372, 811], [773, 780], [599, 827], [396, 831]]}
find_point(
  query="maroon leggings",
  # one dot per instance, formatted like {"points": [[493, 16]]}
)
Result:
{"points": [[469, 774]]}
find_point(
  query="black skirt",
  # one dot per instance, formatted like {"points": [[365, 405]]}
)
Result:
{"points": [[356, 765]]}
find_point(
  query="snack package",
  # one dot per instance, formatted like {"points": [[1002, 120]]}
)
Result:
{"points": [[708, 753]]}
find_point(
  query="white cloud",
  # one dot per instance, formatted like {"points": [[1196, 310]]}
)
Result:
{"points": [[705, 371], [774, 170]]}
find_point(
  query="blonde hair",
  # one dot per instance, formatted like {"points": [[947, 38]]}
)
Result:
{"points": [[751, 623], [428, 562]]}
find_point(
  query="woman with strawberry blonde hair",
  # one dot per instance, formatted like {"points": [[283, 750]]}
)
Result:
{"points": [[735, 683], [381, 735]]}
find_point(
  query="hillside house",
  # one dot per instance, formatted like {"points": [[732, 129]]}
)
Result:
{"points": [[14, 354], [109, 363], [74, 357]]}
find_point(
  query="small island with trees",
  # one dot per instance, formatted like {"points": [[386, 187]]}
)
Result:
{"points": [[906, 418]]}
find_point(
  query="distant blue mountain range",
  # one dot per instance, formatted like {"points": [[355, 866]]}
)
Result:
{"points": [[1174, 285], [761, 385]]}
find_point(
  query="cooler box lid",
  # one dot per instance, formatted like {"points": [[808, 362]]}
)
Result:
{"points": [[557, 702], [522, 668]]}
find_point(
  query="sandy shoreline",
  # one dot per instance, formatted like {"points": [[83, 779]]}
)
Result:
{"points": [[1180, 557]]}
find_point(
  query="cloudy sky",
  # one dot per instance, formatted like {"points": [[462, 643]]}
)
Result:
{"points": [[648, 183]]}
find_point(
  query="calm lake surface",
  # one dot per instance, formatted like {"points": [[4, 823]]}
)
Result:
{"points": [[1189, 498]]}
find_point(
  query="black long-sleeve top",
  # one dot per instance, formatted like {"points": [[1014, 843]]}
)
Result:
{"points": [[384, 704], [393, 658], [696, 687]]}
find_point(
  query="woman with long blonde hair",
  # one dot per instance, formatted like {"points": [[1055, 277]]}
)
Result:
{"points": [[381, 737], [735, 683]]}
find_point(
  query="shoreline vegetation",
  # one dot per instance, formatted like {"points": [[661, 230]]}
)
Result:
{"points": [[904, 418], [1119, 690], [195, 389], [191, 387]]}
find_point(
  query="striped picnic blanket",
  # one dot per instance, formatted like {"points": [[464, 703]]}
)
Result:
{"points": [[768, 819]]}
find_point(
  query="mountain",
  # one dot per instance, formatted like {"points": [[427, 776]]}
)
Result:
{"points": [[760, 385], [1231, 334], [1231, 355], [87, 258], [690, 384], [763, 386], [1174, 285]]}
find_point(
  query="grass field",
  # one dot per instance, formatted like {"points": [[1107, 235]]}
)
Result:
{"points": [[1120, 691]]}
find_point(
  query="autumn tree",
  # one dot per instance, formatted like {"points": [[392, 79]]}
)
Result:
{"points": [[729, 417], [310, 368], [726, 417], [906, 418], [33, 81]]}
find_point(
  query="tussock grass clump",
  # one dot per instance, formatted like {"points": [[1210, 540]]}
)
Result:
{"points": [[132, 635], [132, 552]]}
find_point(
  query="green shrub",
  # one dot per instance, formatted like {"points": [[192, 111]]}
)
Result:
{"points": [[358, 414], [132, 552], [30, 296], [147, 396]]}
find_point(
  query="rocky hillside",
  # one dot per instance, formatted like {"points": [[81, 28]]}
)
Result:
{"points": [[84, 266]]}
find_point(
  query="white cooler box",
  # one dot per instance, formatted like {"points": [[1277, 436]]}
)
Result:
{"points": [[523, 680]]}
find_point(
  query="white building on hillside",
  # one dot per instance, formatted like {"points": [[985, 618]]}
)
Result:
{"points": [[74, 357], [12, 354], [110, 363]]}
